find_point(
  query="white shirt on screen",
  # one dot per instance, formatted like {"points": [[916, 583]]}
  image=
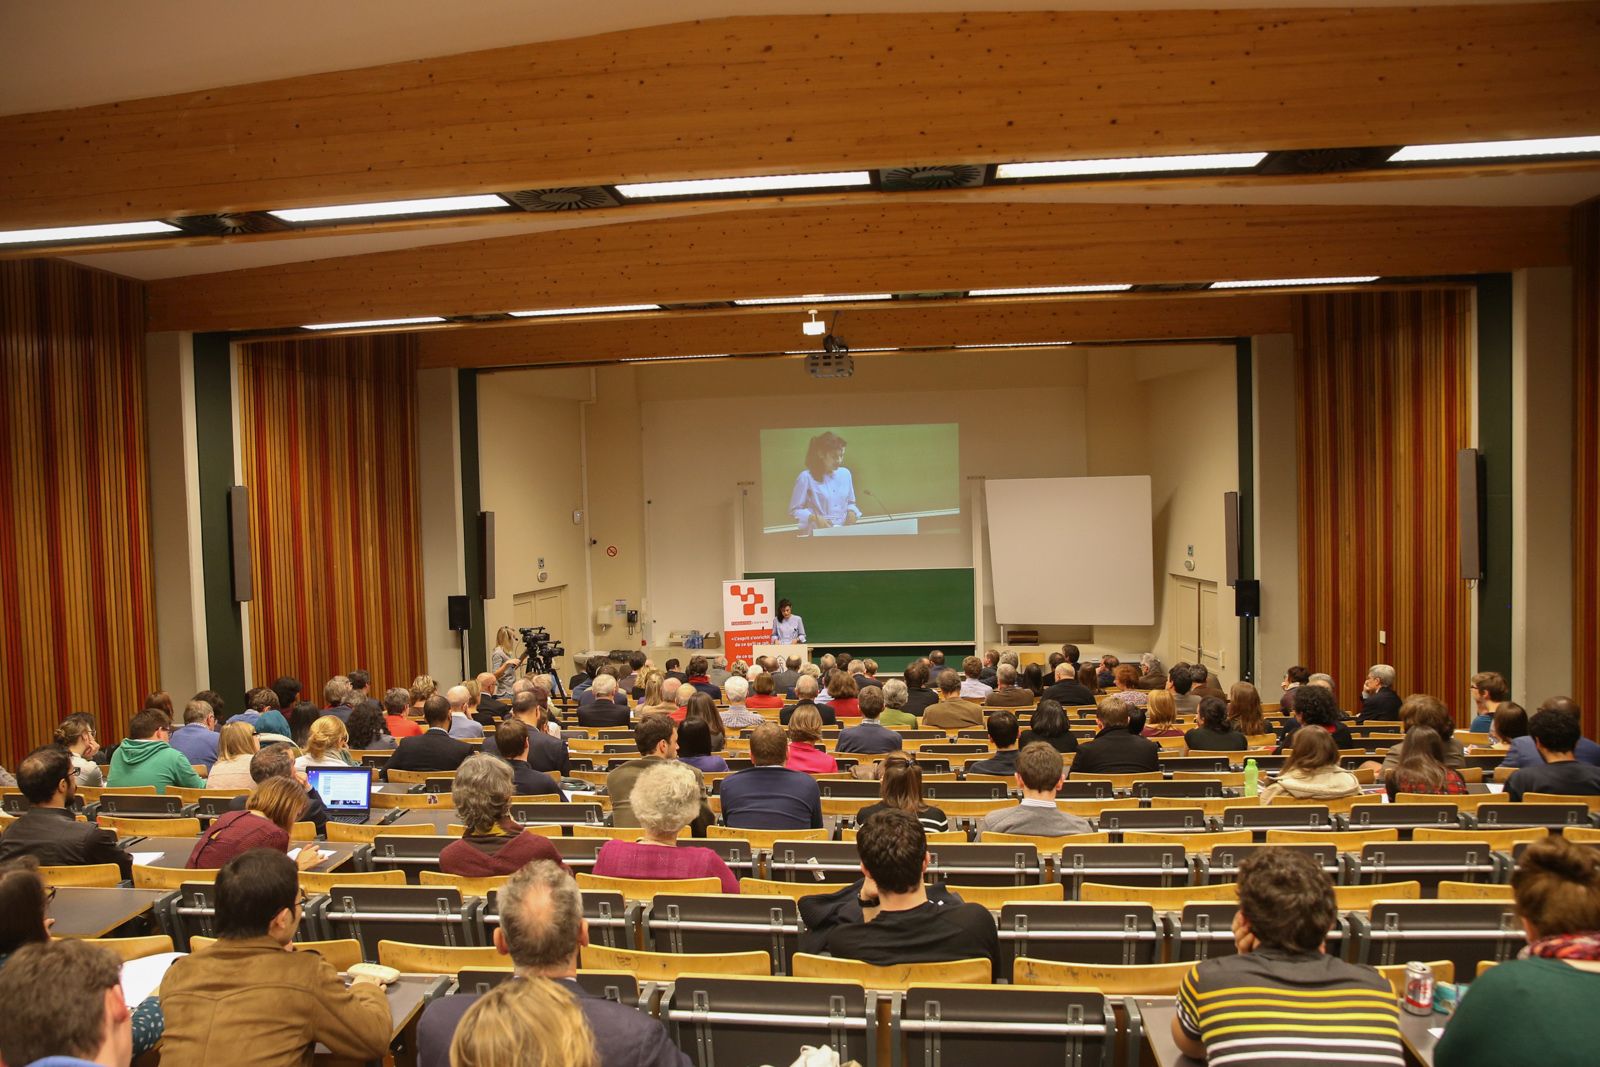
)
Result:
{"points": [[833, 496]]}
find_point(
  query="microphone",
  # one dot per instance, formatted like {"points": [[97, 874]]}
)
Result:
{"points": [[880, 503]]}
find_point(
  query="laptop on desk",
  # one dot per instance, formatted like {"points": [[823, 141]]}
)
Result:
{"points": [[347, 792]]}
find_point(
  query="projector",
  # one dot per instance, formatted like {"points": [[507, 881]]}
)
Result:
{"points": [[833, 361]]}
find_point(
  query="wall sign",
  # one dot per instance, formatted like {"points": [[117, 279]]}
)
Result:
{"points": [[611, 550]]}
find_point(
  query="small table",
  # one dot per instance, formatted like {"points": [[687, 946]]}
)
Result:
{"points": [[407, 995], [85, 911], [174, 851], [1415, 1032]]}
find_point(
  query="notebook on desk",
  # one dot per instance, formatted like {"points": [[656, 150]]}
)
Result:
{"points": [[347, 791]]}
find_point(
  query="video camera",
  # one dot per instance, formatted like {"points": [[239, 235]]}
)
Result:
{"points": [[540, 649]]}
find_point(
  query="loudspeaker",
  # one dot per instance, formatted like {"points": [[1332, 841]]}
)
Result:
{"points": [[460, 613], [1469, 514], [1230, 525], [239, 541], [1247, 598], [486, 554]]}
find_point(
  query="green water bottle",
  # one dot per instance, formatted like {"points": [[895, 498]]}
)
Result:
{"points": [[1252, 776]]}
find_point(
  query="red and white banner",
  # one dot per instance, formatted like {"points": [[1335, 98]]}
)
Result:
{"points": [[747, 613]]}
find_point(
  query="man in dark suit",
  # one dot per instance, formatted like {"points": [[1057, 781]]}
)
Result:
{"points": [[48, 831], [1002, 726], [511, 742], [868, 676], [699, 676], [1378, 698], [603, 710], [433, 749], [673, 671], [542, 929], [783, 681], [990, 669], [1008, 694], [1114, 750], [491, 709], [871, 736], [1066, 689], [545, 753], [919, 698], [805, 693]]}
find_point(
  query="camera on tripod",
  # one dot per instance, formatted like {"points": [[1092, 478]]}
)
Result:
{"points": [[540, 649]]}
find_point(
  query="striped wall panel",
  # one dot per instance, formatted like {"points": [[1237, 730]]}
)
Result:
{"points": [[1586, 473], [77, 617], [1383, 386], [328, 449]]}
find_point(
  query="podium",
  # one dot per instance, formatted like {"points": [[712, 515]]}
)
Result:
{"points": [[871, 527], [783, 652]]}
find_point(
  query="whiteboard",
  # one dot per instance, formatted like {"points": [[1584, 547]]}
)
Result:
{"points": [[1071, 551]]}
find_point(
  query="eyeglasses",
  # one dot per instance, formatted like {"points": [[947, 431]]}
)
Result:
{"points": [[49, 894]]}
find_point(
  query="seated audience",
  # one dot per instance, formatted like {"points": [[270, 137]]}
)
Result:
{"points": [[703, 709], [513, 742], [1244, 710], [337, 696], [196, 739], [1524, 753], [272, 728], [433, 749], [1268, 1004], [694, 746], [766, 695], [1089, 678], [1315, 706], [491, 709], [660, 694], [1379, 702], [871, 737], [1032, 679], [1007, 692], [1420, 709], [1048, 723], [895, 711], [49, 831], [1039, 773], [973, 687], [235, 749], [1214, 733], [1489, 690], [770, 796], [738, 714], [491, 841], [954, 711], [805, 696], [805, 749], [287, 690], [1114, 750], [1125, 686], [685, 694], [1538, 1008], [64, 1007], [1065, 689], [366, 730], [1554, 734], [462, 725], [665, 800], [396, 723], [1509, 723], [422, 687], [250, 996], [277, 761], [266, 822], [1161, 714], [327, 745], [1002, 727], [900, 924], [145, 757], [1294, 679], [542, 930], [531, 1023], [604, 709], [546, 752], [657, 739], [901, 790], [1180, 684], [301, 718], [1312, 771], [698, 675], [76, 735], [919, 697], [1420, 767], [842, 696]]}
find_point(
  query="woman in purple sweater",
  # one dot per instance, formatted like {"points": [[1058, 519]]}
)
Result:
{"points": [[492, 843], [665, 799]]}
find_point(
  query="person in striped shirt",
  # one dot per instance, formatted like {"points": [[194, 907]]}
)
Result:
{"points": [[1282, 999]]}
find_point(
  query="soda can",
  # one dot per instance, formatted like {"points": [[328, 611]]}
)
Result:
{"points": [[1419, 989]]}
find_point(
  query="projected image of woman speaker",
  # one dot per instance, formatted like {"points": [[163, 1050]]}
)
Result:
{"points": [[824, 494]]}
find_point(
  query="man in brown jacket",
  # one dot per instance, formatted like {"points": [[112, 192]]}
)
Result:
{"points": [[952, 712], [251, 998]]}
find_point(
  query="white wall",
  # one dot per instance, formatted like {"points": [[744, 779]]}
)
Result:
{"points": [[174, 490], [439, 495], [1277, 524]]}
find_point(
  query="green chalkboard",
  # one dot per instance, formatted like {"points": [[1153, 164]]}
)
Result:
{"points": [[879, 606]]}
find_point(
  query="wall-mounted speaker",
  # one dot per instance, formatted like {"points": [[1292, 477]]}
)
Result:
{"points": [[486, 554], [1230, 526], [460, 613], [239, 542], [1247, 598], [1469, 513]]}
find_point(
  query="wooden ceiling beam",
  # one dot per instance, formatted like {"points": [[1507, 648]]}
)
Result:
{"points": [[892, 246], [755, 95]]}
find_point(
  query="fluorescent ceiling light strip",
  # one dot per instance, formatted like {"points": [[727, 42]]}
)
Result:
{"points": [[80, 233], [814, 298], [1018, 344], [1040, 289], [385, 208], [603, 310], [1537, 146], [1262, 283], [658, 359], [372, 322], [1072, 168], [767, 183]]}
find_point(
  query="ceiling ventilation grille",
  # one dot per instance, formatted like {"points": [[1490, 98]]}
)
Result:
{"points": [[229, 224], [953, 176], [581, 198]]}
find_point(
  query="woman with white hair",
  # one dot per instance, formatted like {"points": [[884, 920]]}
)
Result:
{"points": [[665, 799], [896, 696]]}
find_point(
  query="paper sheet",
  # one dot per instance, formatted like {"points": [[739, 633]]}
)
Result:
{"points": [[142, 977], [145, 859], [294, 853]]}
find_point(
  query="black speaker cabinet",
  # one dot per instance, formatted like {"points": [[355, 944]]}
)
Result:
{"points": [[1247, 598], [1230, 526], [460, 613], [239, 542]]}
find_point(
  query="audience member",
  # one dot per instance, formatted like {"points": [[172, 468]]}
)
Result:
{"points": [[1039, 773], [542, 930], [531, 1023], [871, 737], [336, 700], [783, 680], [366, 731], [256, 701], [1554, 734], [843, 696], [249, 994], [767, 695], [703, 709], [327, 745], [1524, 753], [919, 696], [1180, 683], [1419, 709], [547, 753], [665, 800], [694, 746], [719, 673], [896, 705], [422, 687], [48, 830], [1489, 690], [1269, 1003], [1312, 771], [76, 735], [657, 739], [1538, 1008], [901, 790], [1007, 692], [632, 683], [146, 758], [1114, 750], [462, 725], [1244, 710], [1510, 722], [287, 689], [196, 739], [360, 688], [805, 749], [64, 1007], [768, 795], [1214, 733], [1089, 678], [1419, 766], [805, 696], [1316, 707], [1378, 698], [685, 693], [273, 729], [161, 700], [900, 924], [1048, 723], [672, 671], [973, 687], [513, 742], [277, 761], [491, 841], [1124, 679], [267, 821], [491, 709], [1293, 680], [737, 715], [434, 749], [699, 676], [1161, 714], [1065, 689], [954, 711], [1003, 729]]}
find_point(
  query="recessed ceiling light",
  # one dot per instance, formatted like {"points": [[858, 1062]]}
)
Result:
{"points": [[1018, 344], [1039, 289], [766, 183], [371, 323], [813, 298], [606, 309], [386, 208], [1074, 168], [659, 359], [79, 233], [1537, 146], [1263, 283]]}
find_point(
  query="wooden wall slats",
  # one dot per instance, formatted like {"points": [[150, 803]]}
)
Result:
{"points": [[328, 447], [1384, 403], [77, 622], [1586, 466]]}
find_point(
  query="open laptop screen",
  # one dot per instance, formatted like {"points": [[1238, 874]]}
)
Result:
{"points": [[342, 788]]}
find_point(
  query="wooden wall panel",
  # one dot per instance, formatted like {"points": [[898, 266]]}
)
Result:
{"points": [[1384, 403], [328, 449], [1586, 468], [77, 616]]}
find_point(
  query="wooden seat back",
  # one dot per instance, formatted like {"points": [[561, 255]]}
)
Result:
{"points": [[896, 976]]}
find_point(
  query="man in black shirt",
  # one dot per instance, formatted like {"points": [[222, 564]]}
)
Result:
{"points": [[1114, 750], [919, 698], [1555, 735], [1002, 726], [511, 741], [1066, 690], [433, 749], [48, 831], [545, 753], [902, 925]]}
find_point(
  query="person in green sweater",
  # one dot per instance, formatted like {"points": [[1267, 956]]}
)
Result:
{"points": [[145, 758], [1539, 1008]]}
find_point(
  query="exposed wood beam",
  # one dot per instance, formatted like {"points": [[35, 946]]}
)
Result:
{"points": [[896, 246], [765, 94]]}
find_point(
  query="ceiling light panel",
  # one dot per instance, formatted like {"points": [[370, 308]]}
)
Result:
{"points": [[1039, 290], [813, 298], [52, 234], [372, 323], [1018, 344], [390, 208], [662, 359], [1538, 146], [768, 183], [1263, 283], [608, 309], [1084, 168]]}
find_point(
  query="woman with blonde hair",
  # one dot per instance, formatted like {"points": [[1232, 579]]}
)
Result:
{"points": [[422, 687], [236, 747], [267, 821], [503, 661], [654, 702], [526, 1022], [665, 799], [1161, 715], [805, 754], [1244, 710], [327, 745], [1312, 771]]}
